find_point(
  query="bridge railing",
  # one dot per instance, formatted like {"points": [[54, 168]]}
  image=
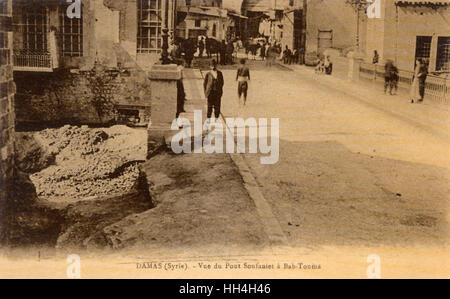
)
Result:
{"points": [[437, 88]]}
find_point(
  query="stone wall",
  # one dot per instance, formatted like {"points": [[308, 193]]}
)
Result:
{"points": [[337, 16], [81, 97], [7, 118]]}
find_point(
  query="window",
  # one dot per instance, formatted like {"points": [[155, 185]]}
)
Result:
{"points": [[4, 10], [423, 47], [71, 33], [198, 23], [443, 54], [32, 25], [5, 57], [149, 26], [325, 39], [214, 30]]}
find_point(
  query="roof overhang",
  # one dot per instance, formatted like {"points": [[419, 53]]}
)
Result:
{"points": [[233, 14], [204, 11], [432, 3]]}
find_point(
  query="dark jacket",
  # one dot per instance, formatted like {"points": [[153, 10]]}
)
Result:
{"points": [[423, 73], [211, 85]]}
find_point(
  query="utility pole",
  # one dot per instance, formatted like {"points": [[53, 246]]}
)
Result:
{"points": [[165, 33], [304, 25], [358, 6]]}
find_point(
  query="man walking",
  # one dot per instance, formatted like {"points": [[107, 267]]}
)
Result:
{"points": [[388, 67], [243, 76], [213, 86]]}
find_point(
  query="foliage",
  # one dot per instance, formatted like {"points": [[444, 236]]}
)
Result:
{"points": [[100, 84]]}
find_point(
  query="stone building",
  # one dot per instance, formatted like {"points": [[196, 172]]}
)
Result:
{"points": [[7, 119], [334, 24], [84, 61], [410, 29], [201, 18], [401, 30], [278, 20]]}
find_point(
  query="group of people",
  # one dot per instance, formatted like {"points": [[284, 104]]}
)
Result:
{"points": [[213, 87], [226, 52], [183, 51], [324, 65], [271, 51], [291, 57], [391, 78], [214, 81]]}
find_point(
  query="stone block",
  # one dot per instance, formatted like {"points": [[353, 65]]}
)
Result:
{"points": [[165, 72]]}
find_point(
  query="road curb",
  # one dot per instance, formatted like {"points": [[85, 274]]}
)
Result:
{"points": [[272, 228]]}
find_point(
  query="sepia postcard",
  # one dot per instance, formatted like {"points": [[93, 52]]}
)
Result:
{"points": [[225, 139]]}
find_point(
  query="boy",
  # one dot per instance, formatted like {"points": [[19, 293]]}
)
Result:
{"points": [[243, 76]]}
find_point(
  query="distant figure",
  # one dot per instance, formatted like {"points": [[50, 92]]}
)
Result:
{"points": [[320, 68], [267, 49], [175, 54], [422, 78], [223, 53], [376, 57], [390, 77], [416, 93], [213, 87], [208, 47], [243, 76], [201, 46], [328, 65], [295, 56], [229, 53], [263, 52], [301, 57], [287, 55], [387, 74], [394, 80], [272, 54], [189, 48]]}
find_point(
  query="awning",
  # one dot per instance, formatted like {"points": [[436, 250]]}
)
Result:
{"points": [[422, 2], [267, 5], [232, 14], [205, 11]]}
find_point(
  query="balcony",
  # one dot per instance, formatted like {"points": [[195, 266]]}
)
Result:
{"points": [[33, 61]]}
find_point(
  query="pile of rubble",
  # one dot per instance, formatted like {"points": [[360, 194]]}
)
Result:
{"points": [[89, 162]]}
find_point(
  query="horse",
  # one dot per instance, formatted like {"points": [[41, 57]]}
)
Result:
{"points": [[188, 48], [253, 49], [213, 46]]}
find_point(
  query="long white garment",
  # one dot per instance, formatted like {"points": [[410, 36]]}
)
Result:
{"points": [[415, 86]]}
